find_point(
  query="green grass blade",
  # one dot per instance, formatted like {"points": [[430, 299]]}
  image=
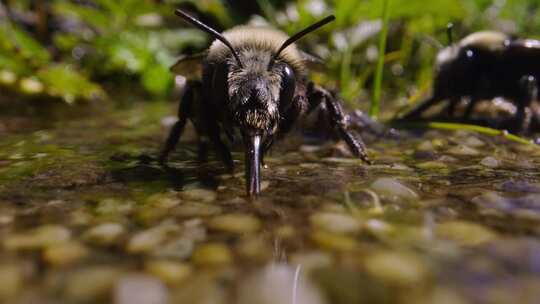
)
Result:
{"points": [[377, 90], [466, 127]]}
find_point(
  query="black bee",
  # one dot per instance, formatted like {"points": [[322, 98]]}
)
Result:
{"points": [[254, 80], [482, 66]]}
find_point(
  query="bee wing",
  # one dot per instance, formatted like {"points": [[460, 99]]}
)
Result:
{"points": [[313, 62], [188, 65]]}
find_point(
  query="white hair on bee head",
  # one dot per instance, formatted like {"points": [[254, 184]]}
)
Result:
{"points": [[257, 38], [448, 54], [488, 40]]}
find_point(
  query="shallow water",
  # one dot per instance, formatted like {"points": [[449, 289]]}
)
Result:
{"points": [[86, 216]]}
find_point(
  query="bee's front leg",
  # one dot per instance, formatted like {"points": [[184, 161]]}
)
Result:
{"points": [[336, 116], [184, 113]]}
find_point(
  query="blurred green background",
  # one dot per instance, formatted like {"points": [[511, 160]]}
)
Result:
{"points": [[83, 50]]}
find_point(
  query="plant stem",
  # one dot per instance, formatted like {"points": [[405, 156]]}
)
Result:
{"points": [[466, 127], [377, 90]]}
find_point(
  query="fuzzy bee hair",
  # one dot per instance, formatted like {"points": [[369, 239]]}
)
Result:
{"points": [[263, 40]]}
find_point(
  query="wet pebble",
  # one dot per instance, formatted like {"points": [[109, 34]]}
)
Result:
{"points": [[149, 239], [169, 272], [396, 267], [199, 195], [212, 254], [333, 241], [520, 186], [312, 260], [432, 165], [175, 249], [474, 142], [91, 283], [278, 284], [462, 150], [64, 254], [11, 277], [235, 223], [104, 234], [392, 187], [254, 248], [41, 237], [140, 289], [490, 162], [164, 200], [465, 233], [335, 222], [197, 209], [112, 206], [526, 207]]}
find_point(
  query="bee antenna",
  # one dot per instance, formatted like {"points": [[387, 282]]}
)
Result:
{"points": [[301, 34], [210, 31], [449, 30]]}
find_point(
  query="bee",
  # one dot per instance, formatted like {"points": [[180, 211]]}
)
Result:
{"points": [[254, 83], [483, 66]]}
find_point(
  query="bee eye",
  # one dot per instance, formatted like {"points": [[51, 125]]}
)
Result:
{"points": [[288, 86]]}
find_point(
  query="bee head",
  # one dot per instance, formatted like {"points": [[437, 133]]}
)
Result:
{"points": [[260, 86], [259, 93]]}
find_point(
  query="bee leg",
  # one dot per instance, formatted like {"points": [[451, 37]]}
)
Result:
{"points": [[184, 113], [469, 109], [214, 132], [451, 108], [338, 119], [529, 85]]}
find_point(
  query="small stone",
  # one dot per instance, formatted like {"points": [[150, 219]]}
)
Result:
{"points": [[312, 260], [255, 248], [335, 222], [392, 187], [212, 254], [11, 277], [235, 223], [426, 146], [199, 195], [92, 283], [164, 200], [176, 249], [398, 268], [140, 289], [41, 237], [474, 142], [149, 239], [112, 206], [64, 254], [197, 209], [333, 241], [170, 272], [105, 234], [465, 233], [432, 165], [278, 284], [285, 232], [265, 185], [462, 150], [490, 162]]}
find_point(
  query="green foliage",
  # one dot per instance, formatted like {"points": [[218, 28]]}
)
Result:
{"points": [[132, 43]]}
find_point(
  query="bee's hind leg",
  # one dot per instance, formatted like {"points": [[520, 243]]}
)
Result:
{"points": [[184, 113], [338, 119], [529, 87]]}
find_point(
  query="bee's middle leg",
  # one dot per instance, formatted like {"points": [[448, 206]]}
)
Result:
{"points": [[338, 119], [529, 89]]}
